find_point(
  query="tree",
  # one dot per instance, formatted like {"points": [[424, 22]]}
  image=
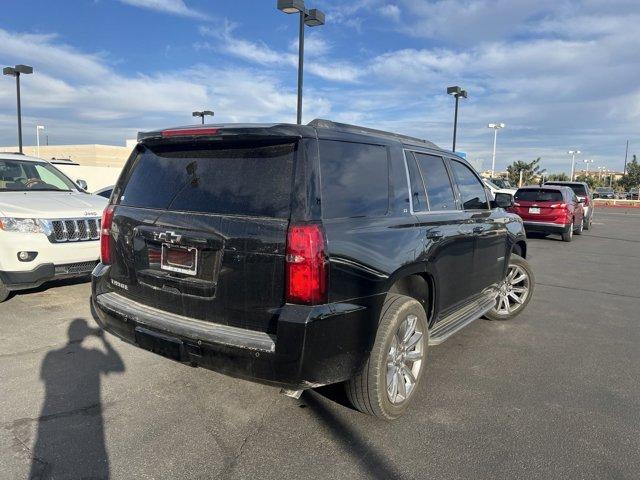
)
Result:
{"points": [[529, 170], [559, 177], [632, 178], [591, 180]]}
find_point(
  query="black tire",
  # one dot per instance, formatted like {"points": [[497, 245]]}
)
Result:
{"points": [[580, 228], [367, 391], [587, 226], [4, 292], [523, 265], [568, 235]]}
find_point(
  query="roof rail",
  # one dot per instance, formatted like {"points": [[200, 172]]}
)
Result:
{"points": [[345, 127]]}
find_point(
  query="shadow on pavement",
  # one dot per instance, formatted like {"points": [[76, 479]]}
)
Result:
{"points": [[52, 284], [376, 465], [70, 440]]}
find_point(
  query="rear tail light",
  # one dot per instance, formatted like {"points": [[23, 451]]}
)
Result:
{"points": [[105, 235], [189, 132], [305, 265]]}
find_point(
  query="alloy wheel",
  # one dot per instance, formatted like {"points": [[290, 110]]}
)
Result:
{"points": [[404, 360], [513, 292]]}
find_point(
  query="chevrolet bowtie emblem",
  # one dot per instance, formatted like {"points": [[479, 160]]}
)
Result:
{"points": [[169, 237]]}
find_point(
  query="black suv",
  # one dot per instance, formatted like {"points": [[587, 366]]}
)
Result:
{"points": [[300, 256]]}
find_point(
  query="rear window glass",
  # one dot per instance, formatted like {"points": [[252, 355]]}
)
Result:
{"points": [[355, 179], [538, 195], [577, 189], [252, 180]]}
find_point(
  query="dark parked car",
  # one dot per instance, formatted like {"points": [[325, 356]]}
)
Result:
{"points": [[550, 209], [582, 191], [604, 192], [300, 256]]}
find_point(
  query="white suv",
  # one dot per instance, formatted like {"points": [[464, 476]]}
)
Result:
{"points": [[49, 227]]}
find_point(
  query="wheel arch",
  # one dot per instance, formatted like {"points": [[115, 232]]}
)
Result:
{"points": [[415, 282], [520, 248]]}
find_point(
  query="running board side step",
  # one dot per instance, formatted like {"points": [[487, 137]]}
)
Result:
{"points": [[456, 321]]}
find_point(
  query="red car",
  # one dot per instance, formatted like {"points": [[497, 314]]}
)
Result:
{"points": [[550, 209]]}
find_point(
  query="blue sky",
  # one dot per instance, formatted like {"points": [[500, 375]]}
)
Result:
{"points": [[561, 74]]}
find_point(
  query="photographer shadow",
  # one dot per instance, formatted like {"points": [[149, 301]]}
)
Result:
{"points": [[70, 440]]}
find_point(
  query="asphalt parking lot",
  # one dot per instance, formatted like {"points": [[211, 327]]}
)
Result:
{"points": [[552, 394]]}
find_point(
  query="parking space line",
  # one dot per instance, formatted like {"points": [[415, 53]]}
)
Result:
{"points": [[587, 290]]}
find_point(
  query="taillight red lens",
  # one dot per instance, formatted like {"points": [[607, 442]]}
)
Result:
{"points": [[105, 234], [189, 132], [305, 263]]}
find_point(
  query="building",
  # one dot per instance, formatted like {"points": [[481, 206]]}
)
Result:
{"points": [[92, 155], [600, 174]]}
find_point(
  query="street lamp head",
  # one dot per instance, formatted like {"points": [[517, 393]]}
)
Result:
{"points": [[291, 6], [454, 90], [39, 127], [196, 114], [314, 18], [496, 125], [26, 69], [463, 94], [17, 70], [207, 112]]}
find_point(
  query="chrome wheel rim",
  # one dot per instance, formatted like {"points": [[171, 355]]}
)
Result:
{"points": [[404, 360], [513, 291]]}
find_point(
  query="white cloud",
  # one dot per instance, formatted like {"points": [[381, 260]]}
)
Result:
{"points": [[104, 106], [172, 7], [260, 53], [390, 11]]}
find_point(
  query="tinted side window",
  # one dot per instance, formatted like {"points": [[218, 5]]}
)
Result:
{"points": [[472, 192], [436, 179], [355, 179], [418, 195]]}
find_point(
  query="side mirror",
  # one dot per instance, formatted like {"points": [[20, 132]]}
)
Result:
{"points": [[503, 200], [82, 184]]}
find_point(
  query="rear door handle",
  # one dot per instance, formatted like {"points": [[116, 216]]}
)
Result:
{"points": [[434, 235]]}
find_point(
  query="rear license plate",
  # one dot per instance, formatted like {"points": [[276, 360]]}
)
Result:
{"points": [[179, 259], [534, 210], [158, 343]]}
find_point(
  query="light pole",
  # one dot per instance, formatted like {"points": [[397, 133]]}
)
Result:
{"points": [[38, 128], [587, 163], [202, 114], [573, 154], [456, 92], [15, 72], [310, 18], [496, 127]]}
